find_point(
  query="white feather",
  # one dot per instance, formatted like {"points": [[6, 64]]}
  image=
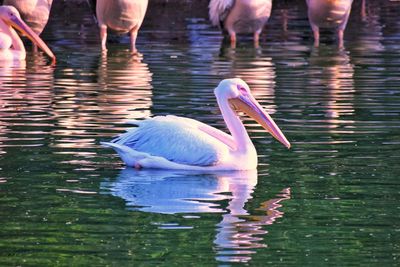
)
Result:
{"points": [[219, 10], [176, 139]]}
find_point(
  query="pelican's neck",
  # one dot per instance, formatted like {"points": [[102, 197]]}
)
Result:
{"points": [[17, 43], [235, 125]]}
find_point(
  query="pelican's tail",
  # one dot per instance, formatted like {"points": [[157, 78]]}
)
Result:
{"points": [[127, 154]]}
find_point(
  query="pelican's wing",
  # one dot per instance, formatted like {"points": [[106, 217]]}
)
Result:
{"points": [[220, 135], [219, 10], [176, 139]]}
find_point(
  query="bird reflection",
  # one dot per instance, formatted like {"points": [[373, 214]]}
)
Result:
{"points": [[121, 92], [86, 102], [332, 69], [239, 232], [130, 79], [25, 96], [370, 35], [252, 66], [363, 10]]}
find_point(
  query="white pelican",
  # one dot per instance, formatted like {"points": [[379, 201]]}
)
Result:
{"points": [[34, 12], [240, 16], [170, 142], [121, 16], [11, 46], [329, 14]]}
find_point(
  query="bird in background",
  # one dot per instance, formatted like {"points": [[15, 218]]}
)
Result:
{"points": [[11, 45], [329, 14], [121, 16], [240, 17], [171, 142], [34, 12]]}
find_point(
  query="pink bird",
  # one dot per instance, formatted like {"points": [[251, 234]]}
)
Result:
{"points": [[11, 45], [240, 16], [329, 14], [123, 16]]}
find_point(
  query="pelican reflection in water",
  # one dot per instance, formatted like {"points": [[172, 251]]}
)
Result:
{"points": [[126, 83], [334, 70], [171, 142], [238, 234], [251, 65], [24, 93], [84, 107]]}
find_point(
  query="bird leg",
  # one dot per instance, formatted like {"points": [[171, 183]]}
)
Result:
{"points": [[363, 11], [257, 39], [340, 37], [103, 36], [315, 30], [233, 39], [133, 40], [137, 166]]}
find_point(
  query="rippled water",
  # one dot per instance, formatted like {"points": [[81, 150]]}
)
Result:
{"points": [[333, 199]]}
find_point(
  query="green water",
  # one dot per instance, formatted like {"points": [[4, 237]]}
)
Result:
{"points": [[332, 200]]}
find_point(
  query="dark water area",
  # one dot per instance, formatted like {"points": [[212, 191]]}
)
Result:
{"points": [[331, 200]]}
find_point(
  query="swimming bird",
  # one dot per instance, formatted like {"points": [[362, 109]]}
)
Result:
{"points": [[240, 16], [171, 142], [121, 16], [11, 46], [34, 12], [329, 14]]}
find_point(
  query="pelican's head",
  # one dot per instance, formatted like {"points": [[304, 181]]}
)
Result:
{"points": [[7, 12], [238, 94], [10, 16]]}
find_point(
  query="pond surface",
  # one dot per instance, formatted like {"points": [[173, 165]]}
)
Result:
{"points": [[331, 200]]}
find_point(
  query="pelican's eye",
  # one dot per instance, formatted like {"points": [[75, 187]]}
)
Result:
{"points": [[242, 90]]}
